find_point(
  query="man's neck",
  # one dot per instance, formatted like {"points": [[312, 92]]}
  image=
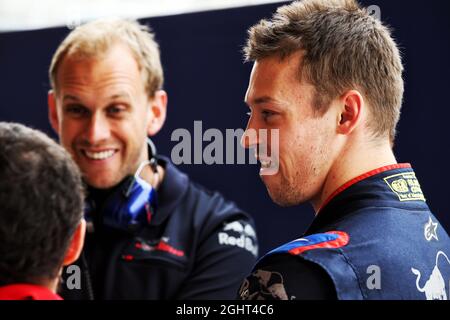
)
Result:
{"points": [[51, 284], [353, 162]]}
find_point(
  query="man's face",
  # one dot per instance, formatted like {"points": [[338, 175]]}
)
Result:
{"points": [[102, 115], [278, 100]]}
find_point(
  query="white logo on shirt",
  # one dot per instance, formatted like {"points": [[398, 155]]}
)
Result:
{"points": [[241, 236], [430, 230], [434, 287]]}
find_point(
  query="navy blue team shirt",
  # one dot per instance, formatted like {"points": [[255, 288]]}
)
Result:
{"points": [[375, 238]]}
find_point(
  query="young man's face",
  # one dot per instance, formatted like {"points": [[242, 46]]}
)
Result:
{"points": [[102, 115], [278, 100]]}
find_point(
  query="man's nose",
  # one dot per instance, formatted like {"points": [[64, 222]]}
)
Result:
{"points": [[98, 129]]}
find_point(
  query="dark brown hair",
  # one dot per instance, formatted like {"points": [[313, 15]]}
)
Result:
{"points": [[344, 48], [41, 204]]}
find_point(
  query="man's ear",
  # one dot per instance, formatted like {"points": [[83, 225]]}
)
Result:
{"points": [[52, 111], [157, 116], [350, 114], [76, 244]]}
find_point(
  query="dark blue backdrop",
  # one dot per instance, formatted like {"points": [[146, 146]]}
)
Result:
{"points": [[206, 80]]}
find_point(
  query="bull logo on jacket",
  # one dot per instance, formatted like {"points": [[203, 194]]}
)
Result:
{"points": [[434, 287]]}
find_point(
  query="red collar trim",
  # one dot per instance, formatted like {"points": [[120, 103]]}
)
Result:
{"points": [[23, 291], [366, 175]]}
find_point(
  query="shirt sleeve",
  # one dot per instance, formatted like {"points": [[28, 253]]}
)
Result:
{"points": [[223, 260], [286, 277]]}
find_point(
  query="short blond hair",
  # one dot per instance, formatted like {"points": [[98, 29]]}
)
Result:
{"points": [[95, 38], [344, 47]]}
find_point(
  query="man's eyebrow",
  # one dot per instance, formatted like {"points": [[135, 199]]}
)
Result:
{"points": [[261, 100], [120, 95], [70, 97]]}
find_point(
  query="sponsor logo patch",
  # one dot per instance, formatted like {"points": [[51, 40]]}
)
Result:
{"points": [[405, 186], [430, 230], [239, 234]]}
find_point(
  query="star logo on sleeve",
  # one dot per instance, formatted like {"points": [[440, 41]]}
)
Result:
{"points": [[430, 230]]}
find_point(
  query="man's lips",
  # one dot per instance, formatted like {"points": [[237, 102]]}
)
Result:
{"points": [[102, 154]]}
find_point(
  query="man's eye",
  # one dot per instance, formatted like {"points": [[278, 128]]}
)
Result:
{"points": [[76, 110], [115, 109], [266, 114]]}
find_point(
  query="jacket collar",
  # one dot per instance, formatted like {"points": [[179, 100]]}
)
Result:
{"points": [[171, 191], [395, 185]]}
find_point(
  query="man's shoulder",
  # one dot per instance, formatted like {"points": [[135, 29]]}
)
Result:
{"points": [[312, 242], [284, 276], [179, 183], [206, 209], [203, 200], [322, 249], [213, 212], [213, 202], [312, 261]]}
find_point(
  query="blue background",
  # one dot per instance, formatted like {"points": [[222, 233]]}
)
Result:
{"points": [[206, 80]]}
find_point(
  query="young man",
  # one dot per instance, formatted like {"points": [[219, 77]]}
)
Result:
{"points": [[41, 223], [155, 234], [329, 77]]}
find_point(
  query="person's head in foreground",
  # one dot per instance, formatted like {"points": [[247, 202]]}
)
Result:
{"points": [[41, 213]]}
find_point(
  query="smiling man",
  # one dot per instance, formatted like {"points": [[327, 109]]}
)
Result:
{"points": [[328, 76], [152, 233], [113, 82]]}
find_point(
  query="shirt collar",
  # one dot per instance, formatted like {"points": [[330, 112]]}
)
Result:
{"points": [[362, 177], [373, 188]]}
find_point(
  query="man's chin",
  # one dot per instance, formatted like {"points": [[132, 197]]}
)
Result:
{"points": [[281, 198], [101, 183], [282, 202]]}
